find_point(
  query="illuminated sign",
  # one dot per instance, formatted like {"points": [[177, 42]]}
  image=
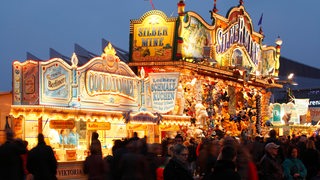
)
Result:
{"points": [[98, 126], [163, 91], [98, 83], [72, 170], [153, 37], [238, 33], [55, 83], [144, 117], [62, 124], [314, 103]]}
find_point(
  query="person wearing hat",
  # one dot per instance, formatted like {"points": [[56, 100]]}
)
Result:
{"points": [[269, 166]]}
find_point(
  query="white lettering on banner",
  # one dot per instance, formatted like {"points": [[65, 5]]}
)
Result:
{"points": [[314, 103], [238, 33], [98, 83], [163, 91]]}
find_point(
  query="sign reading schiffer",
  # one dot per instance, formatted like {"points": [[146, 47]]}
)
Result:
{"points": [[153, 37]]}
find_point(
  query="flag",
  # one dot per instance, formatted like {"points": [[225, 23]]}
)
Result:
{"points": [[152, 5], [260, 20]]}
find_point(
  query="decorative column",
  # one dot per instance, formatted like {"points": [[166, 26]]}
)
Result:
{"points": [[75, 101], [181, 13], [258, 120], [277, 59], [142, 97]]}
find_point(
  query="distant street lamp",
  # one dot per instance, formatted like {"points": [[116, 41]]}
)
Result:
{"points": [[287, 83]]}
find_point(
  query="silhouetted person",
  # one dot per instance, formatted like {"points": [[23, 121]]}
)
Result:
{"points": [[94, 165], [133, 164], [41, 161], [135, 136], [225, 167], [95, 143], [311, 159], [10, 160]]}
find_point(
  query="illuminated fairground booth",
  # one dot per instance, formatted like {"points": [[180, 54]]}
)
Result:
{"points": [[224, 69], [297, 112], [184, 76]]}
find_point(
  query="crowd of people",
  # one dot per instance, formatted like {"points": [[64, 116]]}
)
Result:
{"points": [[18, 163], [179, 158], [220, 157]]}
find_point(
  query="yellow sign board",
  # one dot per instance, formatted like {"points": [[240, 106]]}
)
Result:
{"points": [[153, 37], [98, 126], [62, 124]]}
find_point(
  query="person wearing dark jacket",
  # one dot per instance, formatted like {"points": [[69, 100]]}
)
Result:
{"points": [[94, 165], [95, 143], [225, 167], [177, 167], [311, 159], [10, 160], [269, 166], [41, 162]]}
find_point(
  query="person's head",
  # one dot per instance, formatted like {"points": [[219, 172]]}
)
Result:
{"points": [[178, 139], [181, 152], [272, 149], [303, 138], [228, 153], [135, 134], [214, 148], [272, 133], [63, 132], [229, 140], [41, 139], [9, 134], [94, 136], [293, 152], [257, 139], [310, 144], [170, 150]]}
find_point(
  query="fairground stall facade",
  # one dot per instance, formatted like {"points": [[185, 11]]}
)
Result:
{"points": [[104, 95], [224, 69]]}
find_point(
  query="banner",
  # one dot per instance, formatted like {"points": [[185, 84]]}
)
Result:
{"points": [[302, 106], [163, 88], [276, 113]]}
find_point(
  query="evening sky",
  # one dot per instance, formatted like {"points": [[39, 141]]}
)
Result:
{"points": [[36, 25]]}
